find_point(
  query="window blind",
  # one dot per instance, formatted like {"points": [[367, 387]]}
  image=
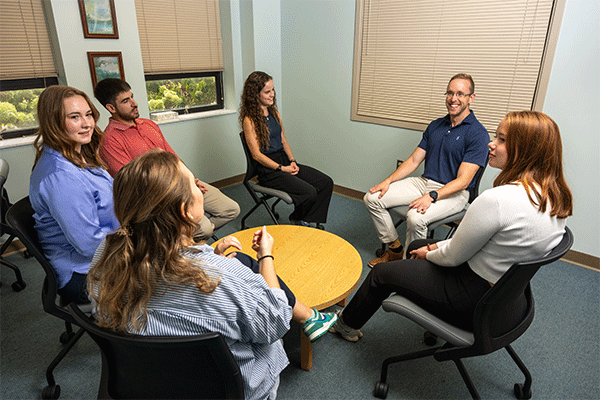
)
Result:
{"points": [[406, 51], [179, 36], [25, 44]]}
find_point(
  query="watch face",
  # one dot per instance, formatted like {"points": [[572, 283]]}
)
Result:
{"points": [[433, 195]]}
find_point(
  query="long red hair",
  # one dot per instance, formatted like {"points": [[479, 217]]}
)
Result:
{"points": [[534, 159]]}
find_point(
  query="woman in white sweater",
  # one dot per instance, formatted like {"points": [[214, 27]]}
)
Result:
{"points": [[521, 218]]}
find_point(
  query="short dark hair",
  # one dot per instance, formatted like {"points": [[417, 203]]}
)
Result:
{"points": [[107, 90]]}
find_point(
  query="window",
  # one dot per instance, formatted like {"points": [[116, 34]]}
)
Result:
{"points": [[405, 52], [26, 65], [182, 54]]}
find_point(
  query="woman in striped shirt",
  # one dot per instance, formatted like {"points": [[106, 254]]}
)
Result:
{"points": [[152, 279]]}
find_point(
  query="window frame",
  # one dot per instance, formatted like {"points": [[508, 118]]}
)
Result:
{"points": [[25, 84], [218, 75], [434, 92]]}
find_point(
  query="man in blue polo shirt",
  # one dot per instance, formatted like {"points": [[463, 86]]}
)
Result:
{"points": [[454, 148]]}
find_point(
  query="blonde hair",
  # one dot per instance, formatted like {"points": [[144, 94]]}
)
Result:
{"points": [[148, 196], [51, 116], [534, 159]]}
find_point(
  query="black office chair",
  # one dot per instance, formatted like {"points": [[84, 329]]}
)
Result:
{"points": [[153, 367], [450, 221], [254, 189], [487, 336], [19, 284], [20, 218]]}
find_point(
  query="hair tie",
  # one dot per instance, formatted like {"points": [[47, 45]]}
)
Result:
{"points": [[124, 231]]}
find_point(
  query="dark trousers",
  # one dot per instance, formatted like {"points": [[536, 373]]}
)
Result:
{"points": [[310, 189], [451, 293], [253, 265], [75, 291]]}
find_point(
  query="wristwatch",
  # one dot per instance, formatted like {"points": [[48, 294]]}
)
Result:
{"points": [[278, 168], [434, 195]]}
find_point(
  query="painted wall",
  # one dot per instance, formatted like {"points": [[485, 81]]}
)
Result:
{"points": [[307, 46], [317, 56], [209, 146]]}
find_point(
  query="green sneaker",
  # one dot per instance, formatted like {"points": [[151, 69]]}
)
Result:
{"points": [[318, 324], [350, 334]]}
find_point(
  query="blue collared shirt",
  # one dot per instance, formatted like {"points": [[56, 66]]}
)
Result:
{"points": [[73, 212], [447, 147], [251, 316]]}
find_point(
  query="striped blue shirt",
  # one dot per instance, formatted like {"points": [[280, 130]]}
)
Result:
{"points": [[251, 317]]}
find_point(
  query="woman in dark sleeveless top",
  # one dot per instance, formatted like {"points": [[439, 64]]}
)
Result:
{"points": [[309, 188]]}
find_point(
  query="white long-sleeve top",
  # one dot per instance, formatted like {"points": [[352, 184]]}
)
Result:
{"points": [[501, 227]]}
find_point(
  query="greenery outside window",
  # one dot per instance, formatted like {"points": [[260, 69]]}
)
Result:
{"points": [[26, 65], [182, 54], [18, 106], [185, 93]]}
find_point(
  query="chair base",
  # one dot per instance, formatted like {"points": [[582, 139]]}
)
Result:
{"points": [[19, 284], [69, 339], [521, 390], [270, 209]]}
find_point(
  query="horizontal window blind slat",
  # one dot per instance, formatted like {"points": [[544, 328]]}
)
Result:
{"points": [[25, 43], [409, 50], [177, 37]]}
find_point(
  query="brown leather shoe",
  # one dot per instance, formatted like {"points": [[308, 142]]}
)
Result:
{"points": [[387, 256]]}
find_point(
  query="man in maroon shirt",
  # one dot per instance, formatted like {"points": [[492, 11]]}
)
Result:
{"points": [[128, 136]]}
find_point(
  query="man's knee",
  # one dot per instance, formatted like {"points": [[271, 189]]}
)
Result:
{"points": [[416, 221], [232, 210], [372, 201]]}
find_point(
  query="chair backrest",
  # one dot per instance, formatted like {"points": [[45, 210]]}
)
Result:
{"points": [[250, 162], [502, 300], [474, 191], [4, 201], [20, 218], [151, 367]]}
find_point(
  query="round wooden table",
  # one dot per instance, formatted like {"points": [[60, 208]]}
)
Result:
{"points": [[320, 268]]}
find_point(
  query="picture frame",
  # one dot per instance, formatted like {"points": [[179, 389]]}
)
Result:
{"points": [[99, 19], [105, 65]]}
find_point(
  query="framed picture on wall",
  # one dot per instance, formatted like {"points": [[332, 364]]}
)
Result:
{"points": [[99, 19], [106, 65]]}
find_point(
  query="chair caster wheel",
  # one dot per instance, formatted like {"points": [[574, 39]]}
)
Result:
{"points": [[381, 390], [429, 339], [18, 286], [66, 337], [51, 392], [379, 252], [320, 226], [519, 392]]}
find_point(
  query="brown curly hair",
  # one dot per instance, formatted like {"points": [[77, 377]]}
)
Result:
{"points": [[51, 116], [250, 106], [148, 196]]}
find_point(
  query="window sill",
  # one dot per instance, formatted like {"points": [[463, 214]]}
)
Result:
{"points": [[27, 140], [199, 115], [17, 142]]}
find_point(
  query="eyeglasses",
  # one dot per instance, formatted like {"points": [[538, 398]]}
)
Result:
{"points": [[458, 94]]}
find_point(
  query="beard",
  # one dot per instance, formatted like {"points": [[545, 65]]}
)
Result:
{"points": [[130, 116]]}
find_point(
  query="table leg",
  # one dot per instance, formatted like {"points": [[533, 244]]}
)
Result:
{"points": [[306, 352]]}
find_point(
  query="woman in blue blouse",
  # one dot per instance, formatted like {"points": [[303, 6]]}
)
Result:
{"points": [[69, 189], [309, 188]]}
